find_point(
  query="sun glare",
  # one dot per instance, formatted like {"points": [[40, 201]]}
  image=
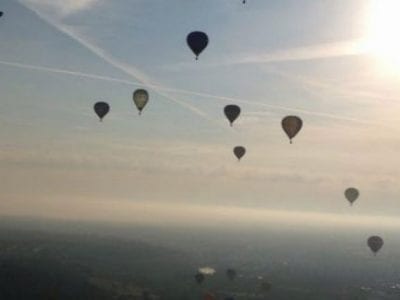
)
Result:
{"points": [[384, 31]]}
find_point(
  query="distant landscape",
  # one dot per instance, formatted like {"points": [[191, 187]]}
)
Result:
{"points": [[42, 259]]}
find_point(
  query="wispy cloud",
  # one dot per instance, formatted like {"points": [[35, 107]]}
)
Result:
{"points": [[303, 53], [318, 51], [64, 7]]}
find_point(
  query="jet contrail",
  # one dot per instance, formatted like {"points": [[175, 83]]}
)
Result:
{"points": [[127, 69], [144, 80], [67, 72], [279, 107], [181, 91]]}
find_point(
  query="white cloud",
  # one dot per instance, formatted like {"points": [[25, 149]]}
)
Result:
{"points": [[319, 51]]}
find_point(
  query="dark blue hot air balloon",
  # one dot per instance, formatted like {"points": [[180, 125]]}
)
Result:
{"points": [[101, 109], [232, 112], [197, 42]]}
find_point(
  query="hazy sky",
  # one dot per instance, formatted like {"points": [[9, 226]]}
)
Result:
{"points": [[319, 60]]}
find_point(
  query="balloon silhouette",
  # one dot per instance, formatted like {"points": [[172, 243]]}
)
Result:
{"points": [[351, 195], [101, 109], [375, 243], [292, 125], [239, 152], [197, 42], [232, 112], [140, 98]]}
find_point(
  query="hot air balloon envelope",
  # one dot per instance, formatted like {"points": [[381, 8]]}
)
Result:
{"points": [[292, 125], [375, 243], [101, 109], [140, 97], [239, 151], [232, 112], [197, 42], [351, 194]]}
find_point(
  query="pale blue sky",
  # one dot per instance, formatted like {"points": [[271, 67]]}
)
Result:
{"points": [[273, 58]]}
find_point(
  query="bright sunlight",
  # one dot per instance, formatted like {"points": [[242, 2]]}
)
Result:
{"points": [[383, 39]]}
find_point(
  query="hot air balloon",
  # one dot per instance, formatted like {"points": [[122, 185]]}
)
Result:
{"points": [[351, 195], [199, 277], [1, 14], [265, 286], [146, 295], [197, 42], [244, 1], [291, 125], [231, 274], [232, 112], [140, 97], [375, 243], [209, 296], [101, 109], [239, 152]]}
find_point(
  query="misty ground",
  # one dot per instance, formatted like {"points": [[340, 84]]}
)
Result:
{"points": [[42, 259]]}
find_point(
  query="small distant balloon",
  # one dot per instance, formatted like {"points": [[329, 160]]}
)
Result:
{"points": [[231, 274], [140, 98], [239, 152], [101, 109], [351, 195], [244, 1], [1, 14], [292, 125], [197, 42], [199, 277], [209, 296], [232, 112], [375, 243], [146, 295], [265, 286]]}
